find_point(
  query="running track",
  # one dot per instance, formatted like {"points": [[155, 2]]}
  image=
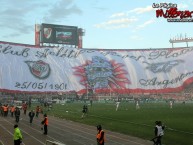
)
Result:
{"points": [[64, 131]]}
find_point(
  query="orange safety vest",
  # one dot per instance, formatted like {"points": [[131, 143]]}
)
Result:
{"points": [[101, 138], [5, 109], [46, 121], [12, 109]]}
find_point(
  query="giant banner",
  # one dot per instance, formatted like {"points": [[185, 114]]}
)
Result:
{"points": [[63, 69]]}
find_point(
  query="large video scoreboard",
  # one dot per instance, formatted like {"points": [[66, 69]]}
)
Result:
{"points": [[59, 34]]}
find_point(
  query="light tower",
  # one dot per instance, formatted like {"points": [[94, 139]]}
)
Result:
{"points": [[81, 32], [181, 40]]}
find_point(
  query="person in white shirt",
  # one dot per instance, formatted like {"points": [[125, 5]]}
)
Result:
{"points": [[171, 104], [117, 105], [137, 105], [159, 132]]}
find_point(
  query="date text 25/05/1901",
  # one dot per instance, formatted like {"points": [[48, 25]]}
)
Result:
{"points": [[41, 86]]}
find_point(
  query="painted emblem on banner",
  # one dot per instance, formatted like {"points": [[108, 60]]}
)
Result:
{"points": [[39, 69], [163, 66], [101, 73], [47, 32]]}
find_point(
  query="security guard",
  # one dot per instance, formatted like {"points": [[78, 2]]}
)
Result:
{"points": [[17, 135], [100, 135], [45, 123]]}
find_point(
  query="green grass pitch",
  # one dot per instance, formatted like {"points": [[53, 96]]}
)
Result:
{"points": [[135, 122]]}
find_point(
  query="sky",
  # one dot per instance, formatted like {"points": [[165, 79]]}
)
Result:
{"points": [[108, 24]]}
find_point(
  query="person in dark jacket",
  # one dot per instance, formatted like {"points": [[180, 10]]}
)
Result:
{"points": [[84, 111], [31, 116], [17, 114]]}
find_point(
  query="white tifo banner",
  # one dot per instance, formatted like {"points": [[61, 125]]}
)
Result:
{"points": [[63, 69]]}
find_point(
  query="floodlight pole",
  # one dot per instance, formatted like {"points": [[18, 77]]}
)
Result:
{"points": [[181, 40], [81, 32], [37, 34]]}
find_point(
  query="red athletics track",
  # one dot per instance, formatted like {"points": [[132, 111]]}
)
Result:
{"points": [[64, 131]]}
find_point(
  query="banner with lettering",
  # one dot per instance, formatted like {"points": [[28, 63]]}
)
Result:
{"points": [[65, 69]]}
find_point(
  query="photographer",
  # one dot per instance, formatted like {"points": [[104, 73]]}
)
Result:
{"points": [[159, 132]]}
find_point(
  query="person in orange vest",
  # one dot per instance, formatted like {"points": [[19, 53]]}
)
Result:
{"points": [[37, 111], [45, 123], [5, 109], [24, 106], [100, 135], [12, 110]]}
